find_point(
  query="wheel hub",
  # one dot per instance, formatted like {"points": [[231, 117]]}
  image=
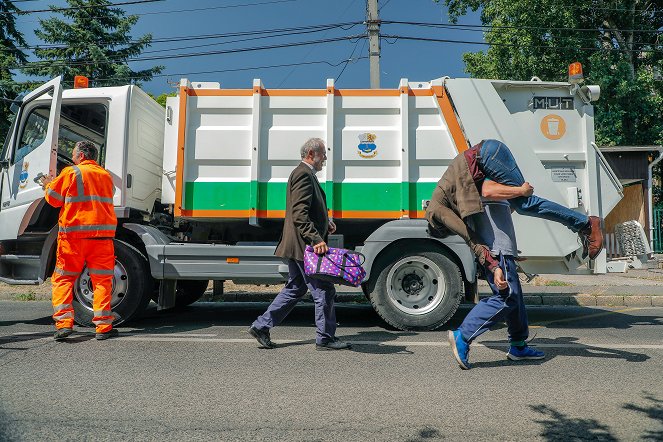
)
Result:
{"points": [[412, 284], [416, 285]]}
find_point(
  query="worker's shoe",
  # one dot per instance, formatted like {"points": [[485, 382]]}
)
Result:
{"points": [[62, 333], [524, 353], [262, 336], [592, 238], [113, 333], [460, 349]]}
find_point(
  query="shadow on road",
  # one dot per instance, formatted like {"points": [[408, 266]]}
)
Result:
{"points": [[558, 426], [380, 338], [654, 410], [562, 346], [427, 434]]}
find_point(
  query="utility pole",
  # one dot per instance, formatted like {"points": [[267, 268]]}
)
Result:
{"points": [[373, 28]]}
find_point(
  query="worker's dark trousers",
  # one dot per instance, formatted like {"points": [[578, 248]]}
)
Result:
{"points": [[499, 165], [506, 305]]}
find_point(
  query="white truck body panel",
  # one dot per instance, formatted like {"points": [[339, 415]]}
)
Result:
{"points": [[145, 150], [248, 145]]}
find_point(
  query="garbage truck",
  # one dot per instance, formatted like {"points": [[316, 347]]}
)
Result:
{"points": [[200, 184]]}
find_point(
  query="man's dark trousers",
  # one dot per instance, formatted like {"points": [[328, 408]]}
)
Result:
{"points": [[506, 305], [323, 294]]}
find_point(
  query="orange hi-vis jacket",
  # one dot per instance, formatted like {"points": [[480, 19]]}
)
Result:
{"points": [[85, 195]]}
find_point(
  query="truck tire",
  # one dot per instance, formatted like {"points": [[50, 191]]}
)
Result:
{"points": [[188, 291], [132, 285], [416, 289]]}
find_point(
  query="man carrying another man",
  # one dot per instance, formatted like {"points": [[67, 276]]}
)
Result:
{"points": [[490, 165], [489, 170]]}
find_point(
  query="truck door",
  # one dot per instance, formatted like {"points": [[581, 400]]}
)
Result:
{"points": [[32, 148]]}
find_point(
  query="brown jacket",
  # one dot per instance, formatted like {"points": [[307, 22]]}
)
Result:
{"points": [[455, 198], [306, 221]]}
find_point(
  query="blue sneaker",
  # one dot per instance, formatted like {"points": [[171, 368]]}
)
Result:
{"points": [[460, 348], [526, 353]]}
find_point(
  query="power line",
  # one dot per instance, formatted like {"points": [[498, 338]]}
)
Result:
{"points": [[73, 8], [441, 40], [65, 63], [488, 27], [348, 60], [383, 5], [271, 35], [308, 54], [249, 68], [183, 74], [183, 11], [294, 30]]}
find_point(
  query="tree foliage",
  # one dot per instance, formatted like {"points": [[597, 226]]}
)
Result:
{"points": [[619, 43], [94, 40], [10, 55], [161, 99]]}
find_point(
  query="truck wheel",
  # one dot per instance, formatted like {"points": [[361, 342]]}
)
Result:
{"points": [[132, 285], [416, 290], [188, 291]]}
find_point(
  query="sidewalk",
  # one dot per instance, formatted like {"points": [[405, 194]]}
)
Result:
{"points": [[636, 288]]}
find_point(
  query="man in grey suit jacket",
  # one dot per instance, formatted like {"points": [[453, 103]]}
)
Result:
{"points": [[306, 223]]}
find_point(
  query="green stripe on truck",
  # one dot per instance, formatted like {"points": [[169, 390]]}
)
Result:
{"points": [[202, 195]]}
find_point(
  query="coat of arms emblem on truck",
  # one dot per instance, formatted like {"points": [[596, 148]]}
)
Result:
{"points": [[23, 177], [367, 147]]}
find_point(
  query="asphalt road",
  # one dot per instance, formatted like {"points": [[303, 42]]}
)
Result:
{"points": [[197, 375]]}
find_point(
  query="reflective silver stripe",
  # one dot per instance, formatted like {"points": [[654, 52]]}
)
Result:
{"points": [[100, 271], [90, 227], [103, 322], [57, 308], [85, 198], [79, 181], [64, 315], [54, 194], [103, 313], [64, 272]]}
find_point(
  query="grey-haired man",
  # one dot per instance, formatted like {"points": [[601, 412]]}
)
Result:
{"points": [[306, 223]]}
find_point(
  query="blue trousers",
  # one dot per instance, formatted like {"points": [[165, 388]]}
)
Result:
{"points": [[323, 294], [506, 305], [498, 164]]}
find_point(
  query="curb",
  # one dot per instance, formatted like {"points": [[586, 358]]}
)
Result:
{"points": [[547, 299]]}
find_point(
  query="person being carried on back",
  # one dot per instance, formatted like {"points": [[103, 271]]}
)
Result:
{"points": [[490, 165]]}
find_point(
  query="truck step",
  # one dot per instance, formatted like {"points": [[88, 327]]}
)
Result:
{"points": [[12, 281], [18, 258], [20, 269]]}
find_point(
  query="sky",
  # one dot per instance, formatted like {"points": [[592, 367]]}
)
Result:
{"points": [[294, 66]]}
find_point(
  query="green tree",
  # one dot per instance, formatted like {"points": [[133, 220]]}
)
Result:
{"points": [[161, 99], [95, 42], [617, 41], [10, 56]]}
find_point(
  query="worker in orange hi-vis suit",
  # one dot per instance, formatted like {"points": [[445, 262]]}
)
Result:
{"points": [[87, 222]]}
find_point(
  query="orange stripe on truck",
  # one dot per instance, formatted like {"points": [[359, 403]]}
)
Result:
{"points": [[450, 118], [181, 133], [220, 92]]}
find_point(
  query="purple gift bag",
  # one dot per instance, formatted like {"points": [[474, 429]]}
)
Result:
{"points": [[338, 266]]}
